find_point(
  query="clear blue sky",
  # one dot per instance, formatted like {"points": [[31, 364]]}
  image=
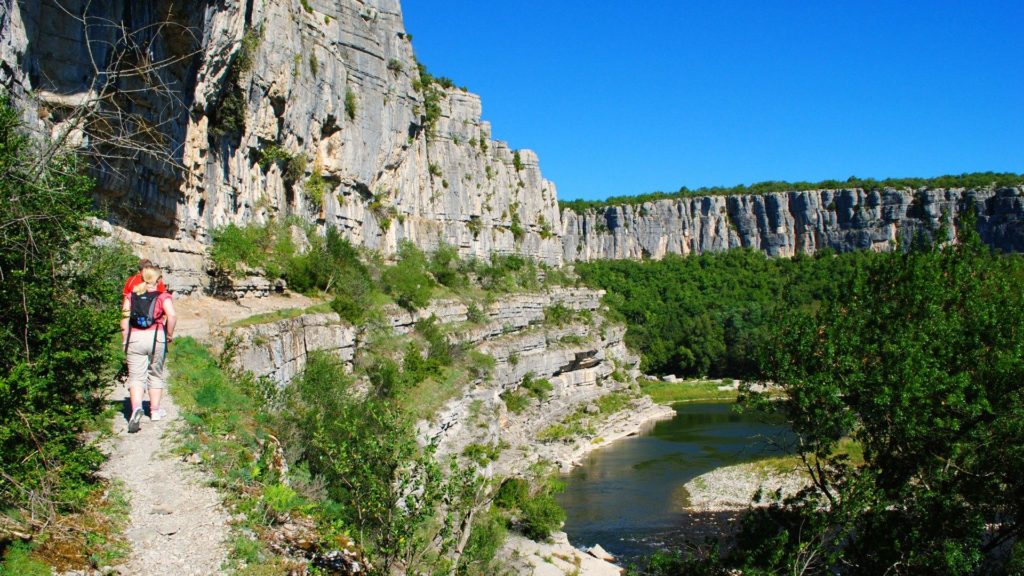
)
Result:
{"points": [[632, 97]]}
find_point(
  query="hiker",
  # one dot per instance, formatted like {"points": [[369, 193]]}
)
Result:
{"points": [[146, 329], [132, 281]]}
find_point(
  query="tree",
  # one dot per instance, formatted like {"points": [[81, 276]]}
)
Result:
{"points": [[59, 296], [921, 361]]}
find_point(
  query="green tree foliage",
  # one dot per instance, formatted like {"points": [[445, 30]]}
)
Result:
{"points": [[381, 483], [407, 281], [447, 268], [703, 315], [59, 307], [966, 180], [920, 360]]}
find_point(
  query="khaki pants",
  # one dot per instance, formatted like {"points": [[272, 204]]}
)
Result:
{"points": [[146, 366]]}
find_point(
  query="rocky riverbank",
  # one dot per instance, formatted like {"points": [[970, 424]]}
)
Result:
{"points": [[558, 556], [733, 487]]}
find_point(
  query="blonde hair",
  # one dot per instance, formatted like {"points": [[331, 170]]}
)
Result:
{"points": [[150, 276]]}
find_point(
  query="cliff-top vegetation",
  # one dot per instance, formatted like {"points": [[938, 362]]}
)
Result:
{"points": [[966, 180]]}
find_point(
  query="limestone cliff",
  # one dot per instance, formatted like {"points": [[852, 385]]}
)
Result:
{"points": [[311, 108], [789, 223], [318, 110]]}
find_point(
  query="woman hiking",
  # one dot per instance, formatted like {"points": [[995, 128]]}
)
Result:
{"points": [[146, 329]]}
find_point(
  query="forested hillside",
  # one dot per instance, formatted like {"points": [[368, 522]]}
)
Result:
{"points": [[703, 315], [916, 358]]}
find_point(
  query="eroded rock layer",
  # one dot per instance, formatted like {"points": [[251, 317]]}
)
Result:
{"points": [[264, 109], [790, 223]]}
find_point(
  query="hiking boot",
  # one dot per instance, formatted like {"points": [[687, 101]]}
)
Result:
{"points": [[157, 415], [133, 422]]}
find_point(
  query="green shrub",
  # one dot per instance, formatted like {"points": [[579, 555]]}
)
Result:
{"points": [[516, 402], [446, 267], [281, 499], [541, 516], [314, 65], [512, 493], [475, 315], [516, 227], [59, 309], [395, 65], [558, 315], [367, 454], [19, 561], [407, 281], [475, 225], [482, 454], [350, 104], [517, 162], [485, 540], [537, 387]]}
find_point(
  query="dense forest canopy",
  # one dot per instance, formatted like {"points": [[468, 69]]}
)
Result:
{"points": [[967, 180], [702, 315]]}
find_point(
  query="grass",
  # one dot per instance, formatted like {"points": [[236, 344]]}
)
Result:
{"points": [[686, 391], [780, 465], [283, 314], [222, 426], [427, 397], [580, 423]]}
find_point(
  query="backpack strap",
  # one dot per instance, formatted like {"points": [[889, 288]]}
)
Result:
{"points": [[128, 338]]}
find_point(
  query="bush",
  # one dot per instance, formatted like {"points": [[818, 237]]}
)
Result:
{"points": [[475, 315], [537, 387], [485, 540], [407, 281], [350, 104], [446, 268], [60, 301], [558, 315], [541, 516], [516, 402], [512, 494]]}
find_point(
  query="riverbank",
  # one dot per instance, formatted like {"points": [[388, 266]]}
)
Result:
{"points": [[733, 487], [558, 556], [670, 390]]}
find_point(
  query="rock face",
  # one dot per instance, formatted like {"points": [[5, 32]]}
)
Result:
{"points": [[583, 358], [312, 108], [316, 109], [786, 224]]}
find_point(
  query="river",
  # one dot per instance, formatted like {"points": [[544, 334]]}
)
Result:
{"points": [[629, 496]]}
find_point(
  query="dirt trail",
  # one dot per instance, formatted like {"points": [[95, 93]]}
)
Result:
{"points": [[178, 526]]}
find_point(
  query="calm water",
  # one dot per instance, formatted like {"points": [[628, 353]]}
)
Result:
{"points": [[628, 497]]}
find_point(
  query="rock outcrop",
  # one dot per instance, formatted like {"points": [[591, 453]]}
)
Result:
{"points": [[254, 110], [266, 109], [790, 223]]}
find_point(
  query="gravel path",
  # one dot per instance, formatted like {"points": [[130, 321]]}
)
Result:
{"points": [[177, 525]]}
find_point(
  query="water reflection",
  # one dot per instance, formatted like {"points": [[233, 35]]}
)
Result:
{"points": [[628, 496]]}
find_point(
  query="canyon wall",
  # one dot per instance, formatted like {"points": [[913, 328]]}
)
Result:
{"points": [[317, 110], [264, 109], [790, 223]]}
